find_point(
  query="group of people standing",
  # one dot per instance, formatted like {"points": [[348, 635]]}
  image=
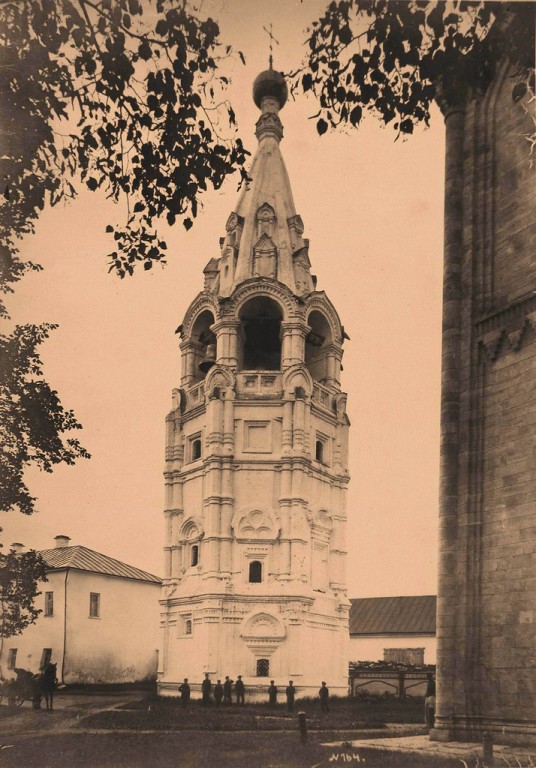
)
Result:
{"points": [[223, 693]]}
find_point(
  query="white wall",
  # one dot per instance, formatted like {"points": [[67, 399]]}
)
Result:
{"points": [[118, 647], [121, 645], [47, 632]]}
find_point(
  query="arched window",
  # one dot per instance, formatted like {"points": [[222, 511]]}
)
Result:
{"points": [[260, 348], [316, 343], [203, 344], [263, 667], [188, 627], [319, 451], [194, 558], [255, 572], [196, 449]]}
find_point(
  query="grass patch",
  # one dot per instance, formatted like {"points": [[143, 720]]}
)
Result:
{"points": [[152, 713]]}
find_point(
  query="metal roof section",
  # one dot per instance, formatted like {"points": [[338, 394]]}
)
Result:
{"points": [[412, 615], [84, 559]]}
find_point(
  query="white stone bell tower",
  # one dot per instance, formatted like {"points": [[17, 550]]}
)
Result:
{"points": [[257, 454]]}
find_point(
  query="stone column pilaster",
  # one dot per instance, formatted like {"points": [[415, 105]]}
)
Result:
{"points": [[450, 410]]}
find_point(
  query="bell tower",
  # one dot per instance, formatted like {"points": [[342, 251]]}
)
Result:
{"points": [[257, 454]]}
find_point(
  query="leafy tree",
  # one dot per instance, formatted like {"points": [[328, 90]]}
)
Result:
{"points": [[19, 577], [121, 95], [114, 95], [394, 58], [32, 418]]}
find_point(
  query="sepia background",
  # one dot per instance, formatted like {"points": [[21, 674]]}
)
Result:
{"points": [[372, 209]]}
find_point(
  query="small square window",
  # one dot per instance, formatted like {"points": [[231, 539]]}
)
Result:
{"points": [[49, 603], [94, 605], [12, 658]]}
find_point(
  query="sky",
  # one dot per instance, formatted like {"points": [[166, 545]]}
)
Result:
{"points": [[372, 210]]}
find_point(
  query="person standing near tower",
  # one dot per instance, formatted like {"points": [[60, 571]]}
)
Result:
{"points": [[291, 693], [272, 694], [206, 688], [184, 691], [323, 693], [227, 690], [240, 690], [218, 693]]}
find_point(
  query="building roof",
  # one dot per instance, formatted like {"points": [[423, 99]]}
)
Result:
{"points": [[84, 559], [413, 615]]}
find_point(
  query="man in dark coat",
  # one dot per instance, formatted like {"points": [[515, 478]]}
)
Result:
{"points": [[291, 692], [429, 701], [184, 691], [240, 690], [227, 690], [324, 697], [206, 688], [218, 693], [272, 694]]}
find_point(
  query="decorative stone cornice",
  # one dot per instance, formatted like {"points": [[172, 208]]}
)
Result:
{"points": [[269, 124], [260, 286]]}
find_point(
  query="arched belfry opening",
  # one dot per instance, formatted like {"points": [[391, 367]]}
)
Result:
{"points": [[260, 335], [317, 342], [203, 344]]}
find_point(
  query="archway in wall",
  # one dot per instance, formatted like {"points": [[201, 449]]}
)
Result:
{"points": [[316, 343], [204, 342], [260, 337]]}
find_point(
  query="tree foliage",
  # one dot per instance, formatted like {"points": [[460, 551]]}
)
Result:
{"points": [[394, 58], [114, 95], [19, 577], [121, 95], [32, 418]]}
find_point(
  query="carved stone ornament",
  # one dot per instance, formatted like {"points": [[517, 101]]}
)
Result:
{"points": [[297, 376], [233, 221], [265, 257], [255, 525], [220, 377], [269, 123], [296, 223], [191, 530], [265, 220], [263, 626]]}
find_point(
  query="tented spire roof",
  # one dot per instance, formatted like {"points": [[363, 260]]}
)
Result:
{"points": [[264, 233]]}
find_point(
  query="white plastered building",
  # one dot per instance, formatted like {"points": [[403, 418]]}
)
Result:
{"points": [[257, 455]]}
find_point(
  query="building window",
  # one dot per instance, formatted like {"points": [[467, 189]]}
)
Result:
{"points": [[255, 572], [49, 603], [188, 627], [94, 605], [195, 554], [45, 657], [195, 449], [12, 658], [322, 449], [263, 667]]}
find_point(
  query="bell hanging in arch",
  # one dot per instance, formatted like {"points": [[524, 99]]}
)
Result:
{"points": [[209, 360]]}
